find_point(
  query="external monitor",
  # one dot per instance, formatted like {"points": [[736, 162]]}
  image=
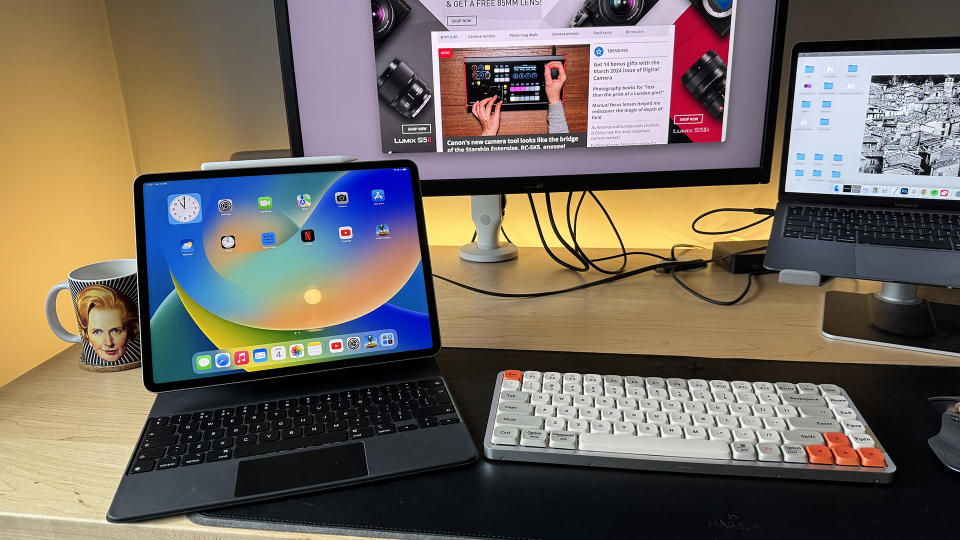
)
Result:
{"points": [[511, 96]]}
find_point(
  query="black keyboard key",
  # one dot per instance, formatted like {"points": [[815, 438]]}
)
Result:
{"points": [[255, 418], [447, 421], [406, 427], [849, 238], [189, 427], [219, 455], [291, 433], [177, 450], [246, 440], [298, 411], [207, 425], [789, 234], [328, 416], [381, 419], [154, 442], [213, 434], [289, 444], [347, 414], [401, 416], [145, 465], [429, 421], [192, 459], [226, 442], [303, 421], [360, 433], [267, 407], [236, 430], [197, 416], [225, 413], [437, 410], [235, 421], [180, 419], [809, 236], [276, 415], [309, 400], [168, 463], [150, 453], [160, 431], [260, 427], [430, 383], [339, 425], [191, 437], [315, 429], [269, 436], [383, 429], [442, 396], [201, 446], [158, 421], [287, 403], [358, 422]]}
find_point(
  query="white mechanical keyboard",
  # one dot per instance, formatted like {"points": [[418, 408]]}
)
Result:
{"points": [[784, 430]]}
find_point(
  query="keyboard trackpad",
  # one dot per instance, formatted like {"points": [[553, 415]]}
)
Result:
{"points": [[302, 469]]}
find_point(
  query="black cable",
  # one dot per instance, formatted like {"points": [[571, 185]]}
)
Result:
{"points": [[705, 298], [766, 212], [673, 266], [573, 233], [543, 241]]}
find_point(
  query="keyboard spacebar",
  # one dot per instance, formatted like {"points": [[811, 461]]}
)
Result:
{"points": [[654, 446]]}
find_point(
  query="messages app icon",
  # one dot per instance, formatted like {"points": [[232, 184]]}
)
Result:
{"points": [[203, 362]]}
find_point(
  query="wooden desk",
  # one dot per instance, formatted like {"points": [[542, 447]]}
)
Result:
{"points": [[66, 434]]}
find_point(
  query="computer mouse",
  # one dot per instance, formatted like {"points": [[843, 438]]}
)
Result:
{"points": [[946, 444], [554, 73]]}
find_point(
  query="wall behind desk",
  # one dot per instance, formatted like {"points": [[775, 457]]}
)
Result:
{"points": [[95, 91]]}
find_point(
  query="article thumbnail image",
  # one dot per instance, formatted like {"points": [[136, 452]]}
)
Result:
{"points": [[912, 126], [459, 117]]}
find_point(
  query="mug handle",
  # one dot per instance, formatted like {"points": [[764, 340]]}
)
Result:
{"points": [[52, 320]]}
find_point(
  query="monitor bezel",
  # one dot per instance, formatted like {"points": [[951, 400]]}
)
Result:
{"points": [[854, 46], [143, 281], [574, 182]]}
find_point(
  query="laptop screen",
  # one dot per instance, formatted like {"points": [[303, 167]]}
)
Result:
{"points": [[876, 123], [253, 273]]}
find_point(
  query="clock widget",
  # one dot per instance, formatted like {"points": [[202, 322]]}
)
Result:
{"points": [[184, 208], [228, 242]]}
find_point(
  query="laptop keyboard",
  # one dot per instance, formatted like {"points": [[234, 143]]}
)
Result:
{"points": [[197, 437], [877, 227]]}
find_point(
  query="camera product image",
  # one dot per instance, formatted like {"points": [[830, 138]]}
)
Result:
{"points": [[403, 89], [387, 15], [611, 12], [707, 81], [717, 13]]}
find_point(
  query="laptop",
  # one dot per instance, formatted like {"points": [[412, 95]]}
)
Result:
{"points": [[289, 326], [870, 180]]}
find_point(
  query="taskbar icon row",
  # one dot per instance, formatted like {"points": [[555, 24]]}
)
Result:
{"points": [[268, 356]]}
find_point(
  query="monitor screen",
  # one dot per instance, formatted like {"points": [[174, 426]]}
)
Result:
{"points": [[876, 123], [252, 273], [537, 95]]}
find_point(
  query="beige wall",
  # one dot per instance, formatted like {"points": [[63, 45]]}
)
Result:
{"points": [[199, 81], [65, 164]]}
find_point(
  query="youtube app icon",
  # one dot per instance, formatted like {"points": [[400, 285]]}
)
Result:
{"points": [[346, 233], [336, 345]]}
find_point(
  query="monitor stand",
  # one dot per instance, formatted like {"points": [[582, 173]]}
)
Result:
{"points": [[894, 317], [487, 214]]}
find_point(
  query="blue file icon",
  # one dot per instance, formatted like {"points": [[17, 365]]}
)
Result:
{"points": [[818, 157], [808, 69], [801, 156], [817, 173], [826, 104], [835, 174], [824, 121], [828, 86], [838, 157], [852, 68], [805, 104], [798, 172]]}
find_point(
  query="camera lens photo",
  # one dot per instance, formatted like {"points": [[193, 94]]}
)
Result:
{"points": [[387, 15], [707, 81], [403, 89]]}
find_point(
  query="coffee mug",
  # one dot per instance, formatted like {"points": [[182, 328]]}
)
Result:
{"points": [[105, 303]]}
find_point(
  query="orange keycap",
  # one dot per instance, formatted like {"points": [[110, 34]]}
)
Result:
{"points": [[836, 439], [845, 456], [512, 375], [817, 453], [871, 457]]}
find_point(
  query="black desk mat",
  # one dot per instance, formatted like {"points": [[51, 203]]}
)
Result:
{"points": [[517, 500]]}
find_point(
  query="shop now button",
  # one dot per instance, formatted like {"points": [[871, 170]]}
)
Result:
{"points": [[415, 129]]}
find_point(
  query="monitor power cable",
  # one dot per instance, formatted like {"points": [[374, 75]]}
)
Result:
{"points": [[767, 213]]}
